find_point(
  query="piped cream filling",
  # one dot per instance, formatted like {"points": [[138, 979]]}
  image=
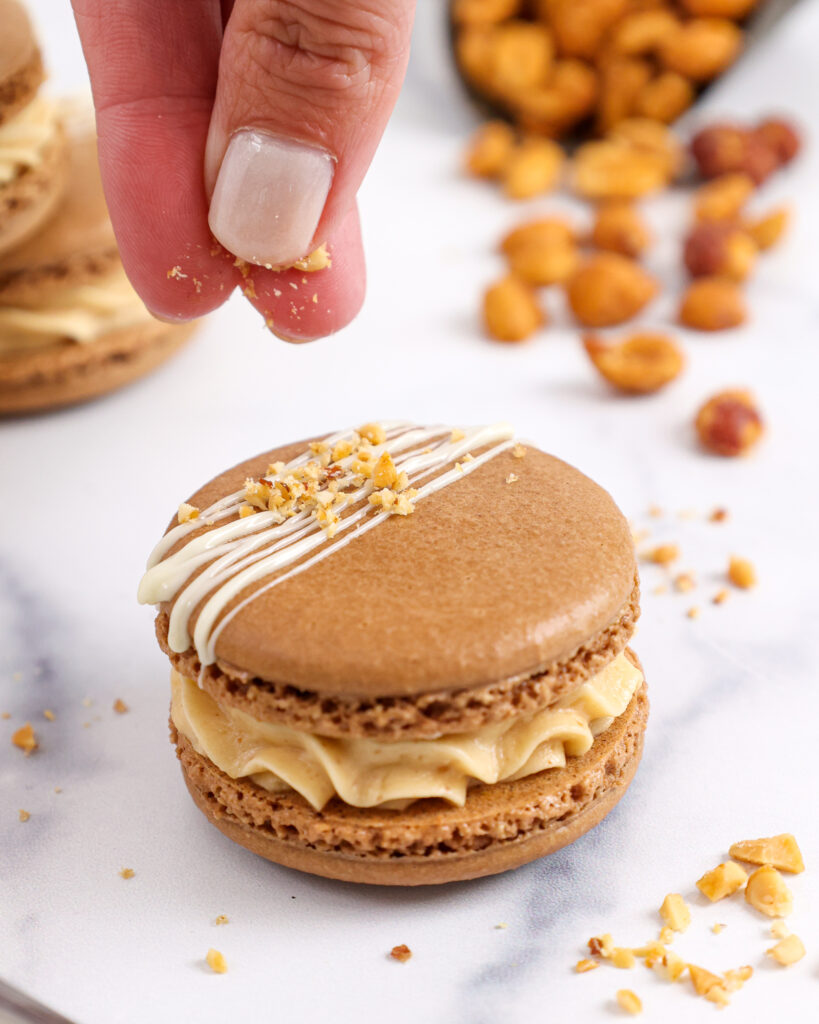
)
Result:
{"points": [[366, 773], [24, 138], [78, 313]]}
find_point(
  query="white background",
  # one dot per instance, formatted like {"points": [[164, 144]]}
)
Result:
{"points": [[731, 747]]}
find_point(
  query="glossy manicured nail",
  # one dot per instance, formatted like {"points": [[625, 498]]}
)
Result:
{"points": [[269, 196]]}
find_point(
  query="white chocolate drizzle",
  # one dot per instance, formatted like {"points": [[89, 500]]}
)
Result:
{"points": [[247, 551]]}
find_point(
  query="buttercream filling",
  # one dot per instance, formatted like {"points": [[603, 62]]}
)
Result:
{"points": [[77, 313], [25, 137], [367, 773]]}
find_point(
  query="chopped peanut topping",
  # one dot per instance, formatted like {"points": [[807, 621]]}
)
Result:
{"points": [[385, 473], [23, 815], [49, 714], [779, 929], [373, 432], [401, 953], [127, 873], [187, 513], [664, 554], [722, 881], [766, 892], [623, 958], [674, 911], [512, 478], [246, 510], [120, 706], [583, 966], [684, 582], [780, 852], [666, 935], [518, 452], [788, 951], [717, 928], [601, 945], [25, 738], [629, 1001], [741, 573], [319, 259], [720, 597], [693, 613], [216, 961]]}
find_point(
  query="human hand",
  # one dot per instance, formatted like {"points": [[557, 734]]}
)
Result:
{"points": [[253, 121]]}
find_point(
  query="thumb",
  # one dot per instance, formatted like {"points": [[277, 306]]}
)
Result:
{"points": [[304, 92]]}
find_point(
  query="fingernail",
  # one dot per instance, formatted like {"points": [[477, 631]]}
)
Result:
{"points": [[269, 196]]}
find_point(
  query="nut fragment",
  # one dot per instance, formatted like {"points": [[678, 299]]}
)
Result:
{"points": [[401, 953], [510, 310], [216, 961], [620, 228], [25, 738], [664, 554], [601, 945], [742, 574], [767, 230], [533, 167], [608, 289], [623, 958], [712, 304], [629, 1001], [787, 951], [674, 911], [766, 892], [585, 965], [729, 424], [780, 852], [120, 706], [187, 513], [544, 264], [722, 881], [719, 249], [640, 364], [23, 815], [548, 232], [723, 148], [724, 197], [781, 137], [127, 873]]}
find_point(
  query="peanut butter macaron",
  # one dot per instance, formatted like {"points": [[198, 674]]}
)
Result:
{"points": [[32, 145], [71, 325], [399, 654]]}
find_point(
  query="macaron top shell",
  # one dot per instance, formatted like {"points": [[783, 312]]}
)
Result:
{"points": [[76, 245], [21, 69], [487, 580]]}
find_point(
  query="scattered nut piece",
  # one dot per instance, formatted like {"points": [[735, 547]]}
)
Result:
{"points": [[717, 928], [722, 881], [779, 929], [374, 433], [664, 554], [766, 231], [787, 951], [318, 259], [729, 424], [216, 961], [720, 597], [674, 911], [629, 1001], [511, 311], [712, 304], [693, 612], [608, 289], [583, 966], [601, 945], [719, 515], [623, 958], [640, 364], [781, 852], [26, 739], [23, 815], [512, 478], [187, 513], [518, 452], [766, 892], [120, 706], [401, 953], [666, 935], [742, 574], [221, 919], [49, 714], [735, 979], [684, 582], [127, 873]]}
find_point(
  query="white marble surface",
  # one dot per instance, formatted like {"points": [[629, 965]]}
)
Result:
{"points": [[731, 746]]}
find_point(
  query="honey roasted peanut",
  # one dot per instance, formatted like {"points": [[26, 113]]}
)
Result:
{"points": [[619, 227], [640, 364], [723, 198], [712, 304], [533, 167], [614, 169], [489, 149], [701, 48], [718, 249], [608, 289], [511, 311], [767, 230], [729, 424]]}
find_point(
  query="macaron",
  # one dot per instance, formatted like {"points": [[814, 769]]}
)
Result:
{"points": [[399, 655], [71, 325], [32, 145]]}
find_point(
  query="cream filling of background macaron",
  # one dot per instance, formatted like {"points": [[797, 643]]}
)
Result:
{"points": [[366, 773], [24, 139], [79, 313]]}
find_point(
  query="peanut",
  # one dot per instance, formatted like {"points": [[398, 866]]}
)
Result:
{"points": [[641, 364], [620, 228], [608, 289], [729, 424], [701, 48], [510, 309], [712, 304]]}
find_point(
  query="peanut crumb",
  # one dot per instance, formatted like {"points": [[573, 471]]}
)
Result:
{"points": [[661, 589], [457, 435], [787, 951], [87, 702], [187, 513], [780, 852], [58, 789], [722, 881], [717, 928], [719, 515], [766, 892], [664, 554], [6, 715], [779, 929], [675, 913], [623, 958], [741, 572], [684, 582], [26, 739], [127, 873], [518, 452], [629, 1001], [216, 961], [23, 815], [601, 945], [175, 273], [693, 612], [401, 953], [221, 919], [721, 596], [585, 965], [655, 511], [120, 706], [512, 478], [246, 510], [502, 925], [49, 714]]}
